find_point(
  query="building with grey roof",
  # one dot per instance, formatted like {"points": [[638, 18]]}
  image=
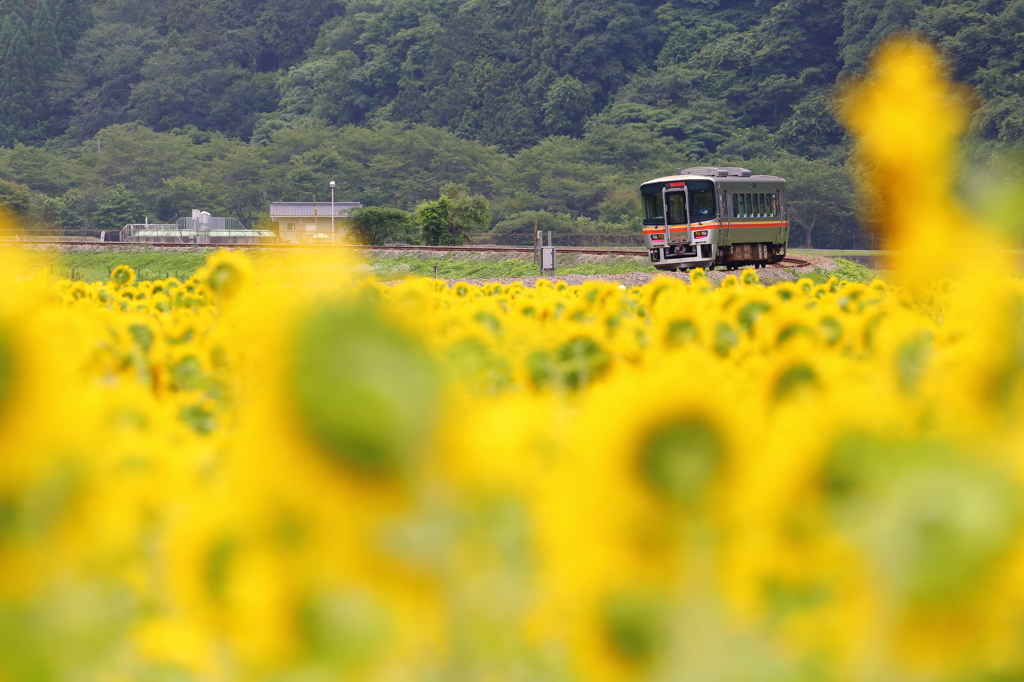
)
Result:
{"points": [[307, 222]]}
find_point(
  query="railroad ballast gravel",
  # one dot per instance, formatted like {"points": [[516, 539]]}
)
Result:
{"points": [[634, 279]]}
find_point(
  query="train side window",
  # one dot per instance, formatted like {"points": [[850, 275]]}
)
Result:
{"points": [[750, 206], [735, 205], [743, 206], [760, 201], [775, 205]]}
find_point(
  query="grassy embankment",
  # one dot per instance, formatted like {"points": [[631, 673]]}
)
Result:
{"points": [[158, 263], [92, 266]]}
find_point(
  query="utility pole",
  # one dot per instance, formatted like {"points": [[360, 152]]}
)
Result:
{"points": [[538, 243], [332, 212]]}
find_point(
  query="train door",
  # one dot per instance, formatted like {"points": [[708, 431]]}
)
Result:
{"points": [[726, 216], [783, 213], [677, 212], [777, 213]]}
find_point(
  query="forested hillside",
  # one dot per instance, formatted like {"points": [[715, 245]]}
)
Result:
{"points": [[553, 109]]}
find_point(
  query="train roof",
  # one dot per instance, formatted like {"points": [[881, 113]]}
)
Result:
{"points": [[718, 173]]}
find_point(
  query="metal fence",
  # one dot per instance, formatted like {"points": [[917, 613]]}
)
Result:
{"points": [[201, 230], [584, 240], [31, 235]]}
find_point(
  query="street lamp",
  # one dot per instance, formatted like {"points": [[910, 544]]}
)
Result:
{"points": [[332, 210]]}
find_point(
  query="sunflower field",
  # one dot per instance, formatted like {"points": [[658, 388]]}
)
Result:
{"points": [[296, 473]]}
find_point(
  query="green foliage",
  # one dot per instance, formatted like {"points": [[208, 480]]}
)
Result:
{"points": [[820, 198], [19, 95], [554, 106], [568, 102], [526, 222], [117, 208], [15, 199], [94, 266], [46, 53], [448, 220], [93, 90], [71, 19], [63, 212], [845, 270], [462, 266], [377, 225]]}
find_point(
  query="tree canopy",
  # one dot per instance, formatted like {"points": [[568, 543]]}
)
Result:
{"points": [[448, 220], [553, 106]]}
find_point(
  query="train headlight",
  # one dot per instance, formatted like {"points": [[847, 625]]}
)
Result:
{"points": [[700, 233]]}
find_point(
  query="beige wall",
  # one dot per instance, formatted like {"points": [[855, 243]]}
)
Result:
{"points": [[305, 228]]}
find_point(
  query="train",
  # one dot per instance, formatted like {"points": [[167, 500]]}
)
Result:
{"points": [[715, 216]]}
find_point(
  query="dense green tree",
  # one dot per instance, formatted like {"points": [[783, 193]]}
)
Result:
{"points": [[11, 7], [749, 143], [64, 212], [93, 90], [560, 107], [15, 200], [528, 222], [242, 176], [620, 206], [43, 170], [820, 200], [811, 130], [568, 103], [321, 87], [46, 51], [286, 28], [393, 164], [867, 22], [72, 18], [139, 158], [187, 87], [449, 219], [19, 97], [379, 225], [116, 208]]}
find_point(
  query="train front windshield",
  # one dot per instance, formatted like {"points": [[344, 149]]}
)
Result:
{"points": [[702, 202], [654, 211]]}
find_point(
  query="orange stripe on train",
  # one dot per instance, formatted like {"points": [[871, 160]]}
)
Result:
{"points": [[716, 226]]}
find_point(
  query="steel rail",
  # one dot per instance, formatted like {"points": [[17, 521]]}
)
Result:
{"points": [[638, 251], [787, 261], [790, 262]]}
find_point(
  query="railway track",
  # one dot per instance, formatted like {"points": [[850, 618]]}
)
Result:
{"points": [[410, 247], [787, 262]]}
